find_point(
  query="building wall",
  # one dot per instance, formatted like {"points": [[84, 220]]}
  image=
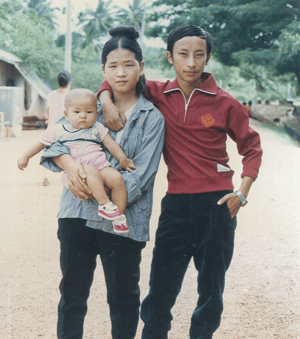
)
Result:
{"points": [[33, 103], [11, 104], [37, 107], [3, 73]]}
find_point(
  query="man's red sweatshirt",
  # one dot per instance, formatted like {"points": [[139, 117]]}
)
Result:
{"points": [[196, 132]]}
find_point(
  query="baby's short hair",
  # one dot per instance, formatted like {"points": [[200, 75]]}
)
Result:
{"points": [[82, 93]]}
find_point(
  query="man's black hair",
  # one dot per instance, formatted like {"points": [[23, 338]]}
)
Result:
{"points": [[188, 30], [64, 77]]}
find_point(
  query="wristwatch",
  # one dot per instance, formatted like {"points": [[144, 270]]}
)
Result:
{"points": [[242, 198]]}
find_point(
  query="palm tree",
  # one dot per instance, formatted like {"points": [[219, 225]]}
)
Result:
{"points": [[135, 16], [96, 24], [43, 9]]}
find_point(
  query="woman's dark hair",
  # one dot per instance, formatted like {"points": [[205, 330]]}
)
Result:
{"points": [[188, 30], [64, 77], [125, 37]]}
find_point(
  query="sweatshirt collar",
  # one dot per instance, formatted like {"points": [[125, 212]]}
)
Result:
{"points": [[208, 85]]}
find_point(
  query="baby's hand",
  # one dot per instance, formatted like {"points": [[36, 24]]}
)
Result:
{"points": [[127, 164], [22, 162]]}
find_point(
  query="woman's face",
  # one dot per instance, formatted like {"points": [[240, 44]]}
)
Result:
{"points": [[122, 71]]}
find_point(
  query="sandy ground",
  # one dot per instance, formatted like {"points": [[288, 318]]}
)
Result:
{"points": [[262, 287]]}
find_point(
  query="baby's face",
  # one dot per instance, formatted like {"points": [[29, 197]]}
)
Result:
{"points": [[81, 112]]}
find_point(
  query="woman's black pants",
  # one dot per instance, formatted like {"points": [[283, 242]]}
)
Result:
{"points": [[120, 259]]}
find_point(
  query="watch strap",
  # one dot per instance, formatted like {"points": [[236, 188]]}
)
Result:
{"points": [[242, 198]]}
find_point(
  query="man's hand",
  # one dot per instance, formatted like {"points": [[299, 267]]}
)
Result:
{"points": [[233, 202], [22, 162], [127, 164], [114, 118]]}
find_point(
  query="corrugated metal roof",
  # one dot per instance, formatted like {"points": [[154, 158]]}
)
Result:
{"points": [[32, 78]]}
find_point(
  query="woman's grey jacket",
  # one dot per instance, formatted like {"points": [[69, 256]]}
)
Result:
{"points": [[142, 141]]}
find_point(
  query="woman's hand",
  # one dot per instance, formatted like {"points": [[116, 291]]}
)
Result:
{"points": [[127, 164], [77, 182], [233, 202], [76, 176]]}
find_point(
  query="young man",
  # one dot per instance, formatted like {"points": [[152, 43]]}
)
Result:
{"points": [[198, 215]]}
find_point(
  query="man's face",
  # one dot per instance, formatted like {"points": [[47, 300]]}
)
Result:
{"points": [[189, 59]]}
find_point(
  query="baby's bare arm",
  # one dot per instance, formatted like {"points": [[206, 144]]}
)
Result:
{"points": [[118, 153], [32, 151]]}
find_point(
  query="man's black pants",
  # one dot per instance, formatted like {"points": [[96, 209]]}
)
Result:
{"points": [[190, 226]]}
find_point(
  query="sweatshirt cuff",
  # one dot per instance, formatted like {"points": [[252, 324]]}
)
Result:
{"points": [[105, 86], [250, 172]]}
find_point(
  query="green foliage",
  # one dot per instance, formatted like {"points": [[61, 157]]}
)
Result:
{"points": [[96, 24], [77, 41], [282, 58], [261, 38], [86, 68], [27, 36], [244, 31], [154, 57], [287, 51], [250, 81], [43, 10], [9, 8], [32, 41], [134, 16], [235, 25]]}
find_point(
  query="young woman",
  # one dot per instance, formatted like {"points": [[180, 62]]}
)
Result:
{"points": [[82, 233]]}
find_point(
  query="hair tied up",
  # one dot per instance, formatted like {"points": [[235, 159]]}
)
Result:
{"points": [[124, 31]]}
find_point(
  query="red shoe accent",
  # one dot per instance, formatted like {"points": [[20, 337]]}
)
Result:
{"points": [[109, 211], [120, 225]]}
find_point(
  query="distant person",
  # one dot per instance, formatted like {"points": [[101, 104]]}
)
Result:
{"points": [[84, 136], [56, 104], [249, 107]]}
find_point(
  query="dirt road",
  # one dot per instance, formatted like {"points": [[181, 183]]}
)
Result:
{"points": [[262, 287]]}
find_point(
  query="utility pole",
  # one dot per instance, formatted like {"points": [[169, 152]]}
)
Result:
{"points": [[68, 44]]}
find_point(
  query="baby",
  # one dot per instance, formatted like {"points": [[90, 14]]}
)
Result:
{"points": [[84, 136]]}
